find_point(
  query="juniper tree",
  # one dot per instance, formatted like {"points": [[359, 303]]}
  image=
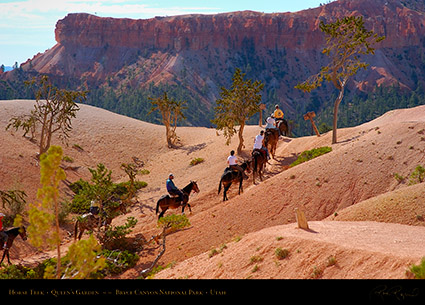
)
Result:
{"points": [[346, 40], [53, 112], [44, 215], [171, 112], [237, 105]]}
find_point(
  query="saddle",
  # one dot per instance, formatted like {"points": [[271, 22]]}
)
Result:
{"points": [[229, 169], [260, 150]]}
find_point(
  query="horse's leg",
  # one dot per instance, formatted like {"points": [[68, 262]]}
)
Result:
{"points": [[76, 230], [8, 258], [162, 213], [81, 232], [254, 170], [240, 186], [4, 254], [226, 188]]}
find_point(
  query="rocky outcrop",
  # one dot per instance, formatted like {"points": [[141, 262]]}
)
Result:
{"points": [[200, 52]]}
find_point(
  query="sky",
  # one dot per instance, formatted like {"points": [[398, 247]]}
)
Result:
{"points": [[27, 26]]}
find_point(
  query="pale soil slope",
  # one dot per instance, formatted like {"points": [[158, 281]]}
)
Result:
{"points": [[334, 250], [361, 166]]}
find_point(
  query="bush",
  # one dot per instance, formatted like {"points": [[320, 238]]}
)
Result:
{"points": [[418, 270], [196, 161], [119, 261], [84, 194], [281, 253], [115, 236], [311, 154], [417, 176], [17, 272]]}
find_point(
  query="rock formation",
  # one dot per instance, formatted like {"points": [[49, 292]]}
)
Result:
{"points": [[201, 52]]}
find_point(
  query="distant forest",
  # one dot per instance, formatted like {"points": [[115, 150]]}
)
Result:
{"points": [[355, 109]]}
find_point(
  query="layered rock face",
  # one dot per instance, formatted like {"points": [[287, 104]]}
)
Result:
{"points": [[200, 52]]}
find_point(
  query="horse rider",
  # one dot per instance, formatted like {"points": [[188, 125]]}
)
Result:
{"points": [[3, 234], [259, 144], [232, 162], [94, 207], [172, 189], [278, 116], [271, 123]]}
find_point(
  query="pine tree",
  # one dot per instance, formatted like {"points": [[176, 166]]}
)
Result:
{"points": [[236, 106], [346, 39]]}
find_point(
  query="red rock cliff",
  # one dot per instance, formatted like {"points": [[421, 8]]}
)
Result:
{"points": [[230, 30], [200, 52]]}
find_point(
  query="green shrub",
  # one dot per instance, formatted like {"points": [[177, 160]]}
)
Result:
{"points": [[281, 253], [85, 192], [115, 236], [418, 270], [418, 175], [119, 261], [196, 161], [311, 154], [17, 272]]}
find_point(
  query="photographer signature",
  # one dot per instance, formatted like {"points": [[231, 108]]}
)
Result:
{"points": [[397, 292]]}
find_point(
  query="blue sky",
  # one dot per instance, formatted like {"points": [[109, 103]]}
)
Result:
{"points": [[27, 26]]}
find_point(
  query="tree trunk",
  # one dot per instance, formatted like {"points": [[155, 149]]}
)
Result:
{"points": [[160, 254], [240, 134], [335, 122], [168, 134], [58, 244]]}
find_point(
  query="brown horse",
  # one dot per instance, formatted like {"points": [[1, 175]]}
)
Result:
{"points": [[259, 158], [230, 176], [89, 221], [271, 138], [282, 125], [12, 233], [166, 201]]}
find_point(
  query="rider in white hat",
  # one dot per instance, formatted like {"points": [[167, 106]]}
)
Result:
{"points": [[3, 235]]}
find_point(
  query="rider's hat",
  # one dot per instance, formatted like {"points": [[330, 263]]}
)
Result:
{"points": [[2, 215], [170, 175], [276, 106]]}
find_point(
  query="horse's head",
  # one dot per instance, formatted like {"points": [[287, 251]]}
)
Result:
{"points": [[23, 232], [195, 187], [247, 165]]}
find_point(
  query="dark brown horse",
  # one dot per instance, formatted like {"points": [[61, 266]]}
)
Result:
{"points": [[282, 125], [166, 202], [89, 221], [12, 233], [229, 176], [271, 138], [259, 159]]}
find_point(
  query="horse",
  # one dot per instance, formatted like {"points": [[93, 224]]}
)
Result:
{"points": [[259, 158], [282, 125], [271, 138], [89, 221], [230, 176], [166, 201], [12, 233]]}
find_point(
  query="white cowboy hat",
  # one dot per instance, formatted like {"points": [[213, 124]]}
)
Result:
{"points": [[2, 215]]}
